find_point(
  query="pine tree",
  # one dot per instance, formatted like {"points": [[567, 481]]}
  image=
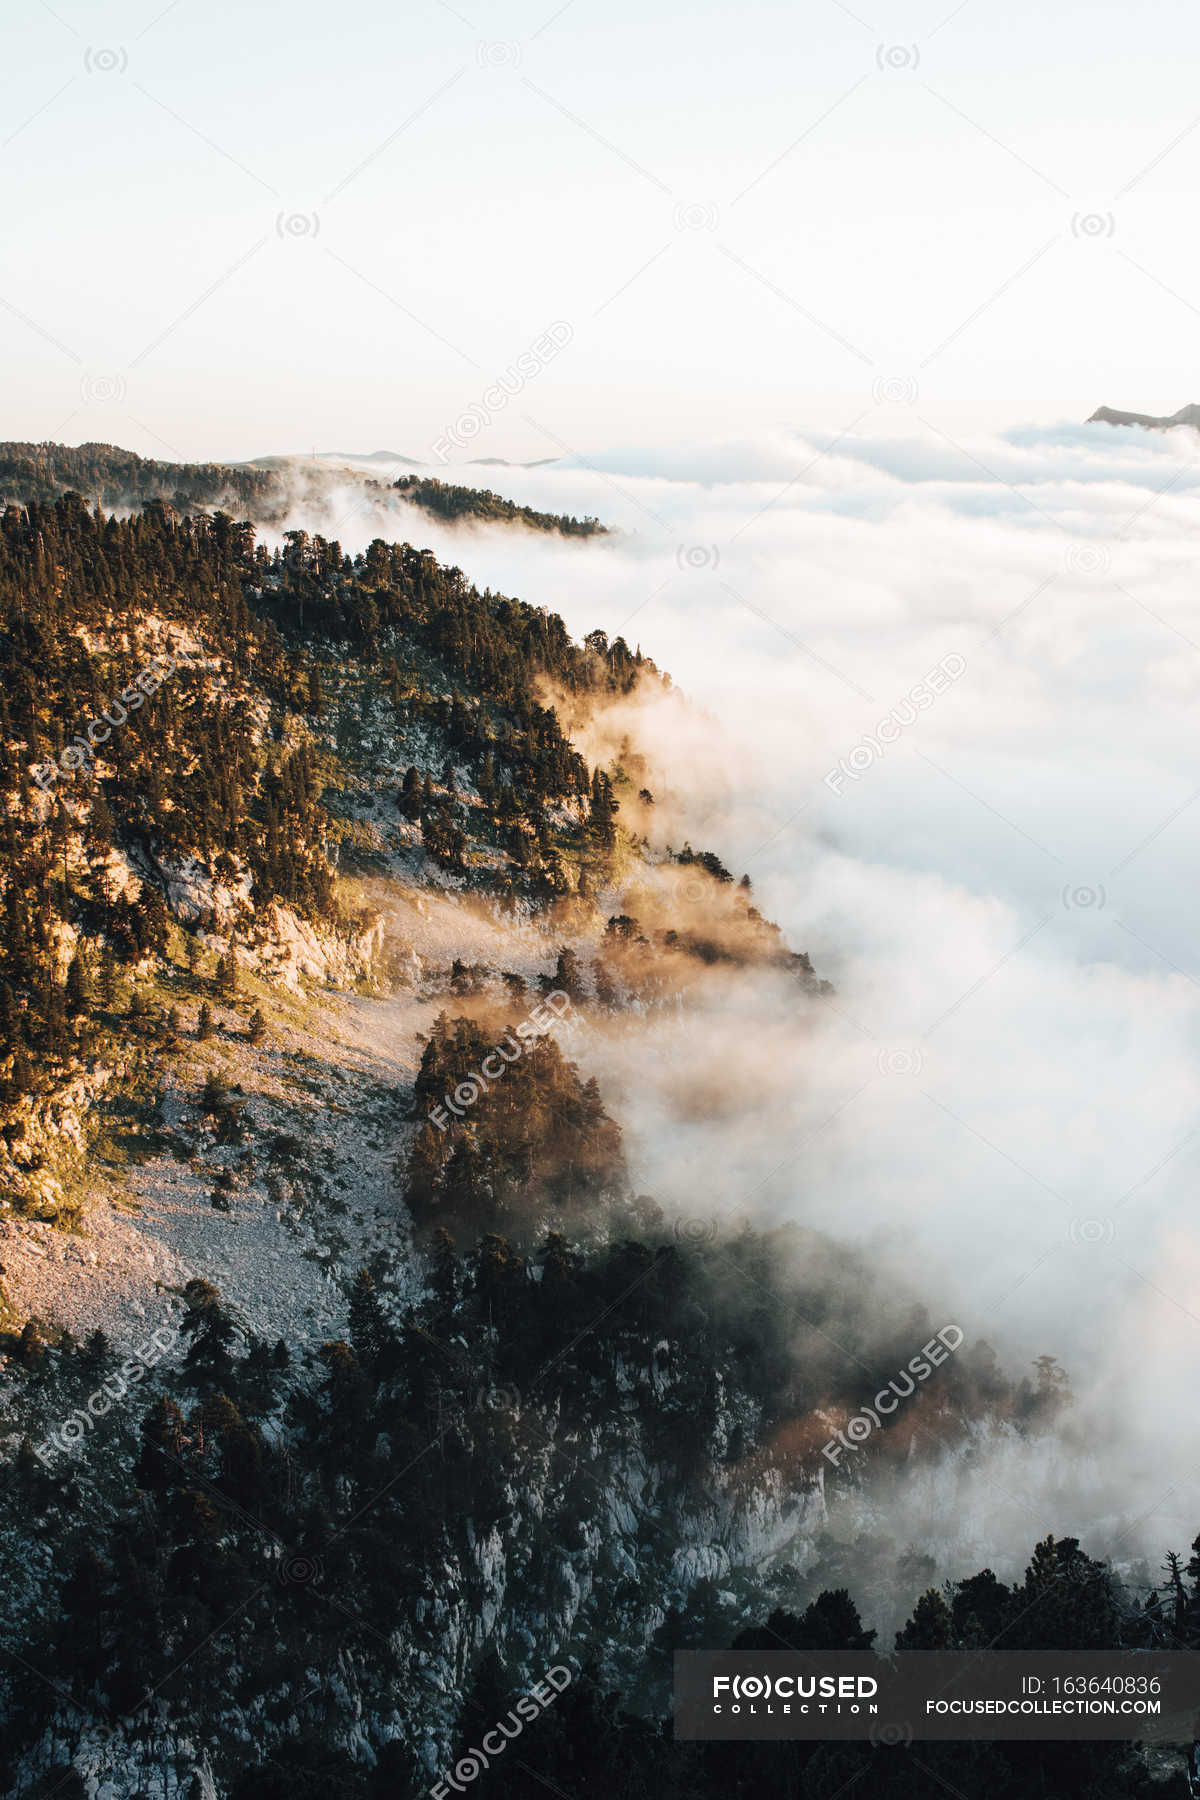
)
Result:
{"points": [[78, 986], [10, 1015], [215, 1094], [210, 1332], [150, 922], [485, 781], [31, 1347], [567, 977], [164, 1441], [601, 811], [608, 994], [370, 1333], [931, 1626], [446, 1277], [107, 983], [94, 1356], [410, 795]]}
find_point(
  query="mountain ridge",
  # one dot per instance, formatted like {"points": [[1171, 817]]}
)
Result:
{"points": [[1187, 415], [445, 1402]]}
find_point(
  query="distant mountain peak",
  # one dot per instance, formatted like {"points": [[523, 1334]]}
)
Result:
{"points": [[1187, 415]]}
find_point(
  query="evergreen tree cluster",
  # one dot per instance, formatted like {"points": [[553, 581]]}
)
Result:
{"points": [[109, 476], [226, 761], [532, 1139], [329, 1525], [489, 657], [446, 501]]}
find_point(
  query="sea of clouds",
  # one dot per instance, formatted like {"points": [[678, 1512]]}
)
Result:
{"points": [[1001, 1100]]}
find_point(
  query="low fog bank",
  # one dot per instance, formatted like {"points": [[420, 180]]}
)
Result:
{"points": [[941, 706]]}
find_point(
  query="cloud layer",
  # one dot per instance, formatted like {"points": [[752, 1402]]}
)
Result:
{"points": [[1001, 1097]]}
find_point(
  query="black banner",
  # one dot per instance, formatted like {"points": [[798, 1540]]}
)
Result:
{"points": [[918, 1695]]}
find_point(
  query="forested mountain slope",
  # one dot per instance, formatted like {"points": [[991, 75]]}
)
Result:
{"points": [[447, 501], [105, 474], [349, 1381]]}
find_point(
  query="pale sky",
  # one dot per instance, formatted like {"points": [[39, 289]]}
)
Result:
{"points": [[240, 229]]}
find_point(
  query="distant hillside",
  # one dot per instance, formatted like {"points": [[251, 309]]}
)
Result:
{"points": [[505, 462], [449, 502], [265, 490], [1187, 415], [110, 476]]}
